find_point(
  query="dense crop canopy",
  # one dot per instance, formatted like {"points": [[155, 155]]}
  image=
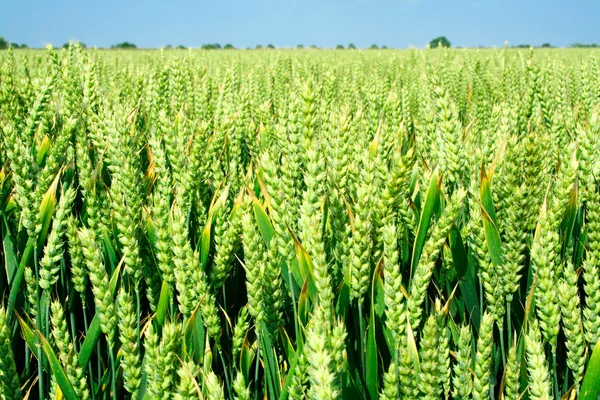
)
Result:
{"points": [[304, 224]]}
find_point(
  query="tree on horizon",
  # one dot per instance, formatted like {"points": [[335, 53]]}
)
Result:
{"points": [[124, 45], [440, 41]]}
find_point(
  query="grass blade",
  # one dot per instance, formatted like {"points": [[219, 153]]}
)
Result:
{"points": [[429, 207], [590, 388]]}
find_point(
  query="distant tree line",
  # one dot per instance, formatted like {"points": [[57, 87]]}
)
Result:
{"points": [[584, 45], [260, 46], [527, 46], [440, 41], [549, 46], [375, 47], [209, 46], [217, 46], [4, 44], [351, 46], [124, 45]]}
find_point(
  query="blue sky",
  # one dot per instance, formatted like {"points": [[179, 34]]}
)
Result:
{"points": [[325, 23]]}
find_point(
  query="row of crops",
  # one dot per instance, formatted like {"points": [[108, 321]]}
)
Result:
{"points": [[245, 225]]}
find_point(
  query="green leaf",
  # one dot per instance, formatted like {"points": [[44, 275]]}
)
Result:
{"points": [[590, 387], [57, 370], [343, 301], [522, 358], [459, 254], [33, 340], [43, 150], [110, 252], [372, 372], [150, 229], [288, 346], [10, 259], [465, 272], [305, 269], [389, 338], [47, 210], [485, 193], [411, 346], [492, 236], [288, 380], [579, 247], [568, 221], [247, 355], [205, 243], [89, 343], [378, 298], [163, 303], [143, 385], [93, 333], [303, 305], [28, 334], [264, 223], [15, 287], [289, 279], [195, 337], [431, 203], [294, 269], [269, 362]]}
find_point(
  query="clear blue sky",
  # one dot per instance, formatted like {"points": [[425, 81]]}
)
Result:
{"points": [[325, 23]]}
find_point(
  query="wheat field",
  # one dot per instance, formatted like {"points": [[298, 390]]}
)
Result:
{"points": [[300, 224]]}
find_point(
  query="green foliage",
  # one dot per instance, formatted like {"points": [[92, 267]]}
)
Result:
{"points": [[440, 41], [291, 224], [584, 45], [211, 46], [123, 45]]}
